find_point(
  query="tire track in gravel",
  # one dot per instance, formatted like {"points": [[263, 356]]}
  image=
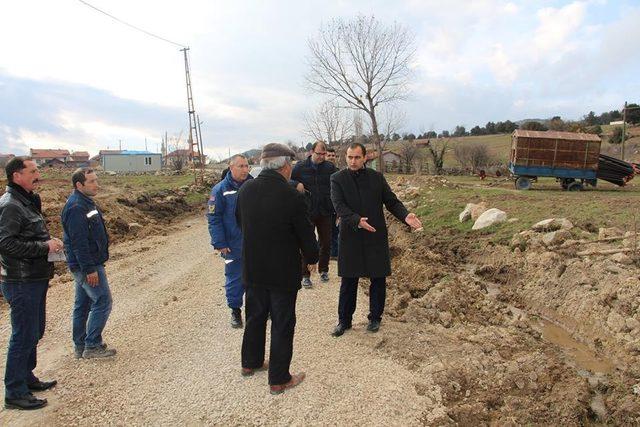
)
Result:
{"points": [[178, 359]]}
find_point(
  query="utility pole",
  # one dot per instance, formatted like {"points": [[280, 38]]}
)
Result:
{"points": [[145, 143], [120, 144], [624, 128], [201, 147], [195, 142]]}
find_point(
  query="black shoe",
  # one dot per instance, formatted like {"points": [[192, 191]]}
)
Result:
{"points": [[374, 326], [236, 318], [340, 329], [26, 402], [42, 385]]}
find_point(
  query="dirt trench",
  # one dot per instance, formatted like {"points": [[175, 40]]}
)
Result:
{"points": [[481, 323]]}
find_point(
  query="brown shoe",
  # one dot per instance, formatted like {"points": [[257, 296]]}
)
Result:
{"points": [[247, 372], [294, 381]]}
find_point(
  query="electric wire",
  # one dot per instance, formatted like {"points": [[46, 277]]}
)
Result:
{"points": [[132, 26]]}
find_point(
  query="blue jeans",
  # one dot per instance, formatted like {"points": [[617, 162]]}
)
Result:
{"points": [[28, 317], [233, 286], [91, 309]]}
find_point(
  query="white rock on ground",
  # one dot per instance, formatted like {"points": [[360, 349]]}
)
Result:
{"points": [[552, 224], [465, 215], [477, 210], [556, 237], [489, 218]]}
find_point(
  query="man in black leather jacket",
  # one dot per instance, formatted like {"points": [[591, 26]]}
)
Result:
{"points": [[24, 272]]}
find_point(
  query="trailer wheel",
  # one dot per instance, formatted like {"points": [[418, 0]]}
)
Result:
{"points": [[523, 183], [566, 182], [575, 186]]}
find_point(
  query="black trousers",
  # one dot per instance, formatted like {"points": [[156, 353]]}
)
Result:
{"points": [[259, 302], [323, 225], [349, 294]]}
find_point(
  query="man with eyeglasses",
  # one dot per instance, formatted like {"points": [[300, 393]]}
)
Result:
{"points": [[314, 173]]}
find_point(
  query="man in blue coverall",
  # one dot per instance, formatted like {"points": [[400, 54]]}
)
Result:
{"points": [[226, 236]]}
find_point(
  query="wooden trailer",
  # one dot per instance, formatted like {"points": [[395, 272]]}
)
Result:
{"points": [[571, 158]]}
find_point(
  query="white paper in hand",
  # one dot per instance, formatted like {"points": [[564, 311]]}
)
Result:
{"points": [[56, 257]]}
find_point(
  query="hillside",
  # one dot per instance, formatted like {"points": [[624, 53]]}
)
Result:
{"points": [[499, 144]]}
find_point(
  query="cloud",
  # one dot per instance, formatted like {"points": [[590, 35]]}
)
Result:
{"points": [[79, 79], [504, 68], [553, 37]]}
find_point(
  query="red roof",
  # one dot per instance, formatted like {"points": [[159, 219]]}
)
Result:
{"points": [[80, 154], [47, 154]]}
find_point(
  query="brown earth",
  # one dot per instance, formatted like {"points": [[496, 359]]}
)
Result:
{"points": [[467, 337], [477, 321]]}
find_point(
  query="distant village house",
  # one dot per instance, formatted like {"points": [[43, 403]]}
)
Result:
{"points": [[59, 158]]}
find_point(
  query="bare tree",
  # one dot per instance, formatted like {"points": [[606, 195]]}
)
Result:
{"points": [[436, 150], [480, 157], [409, 154], [177, 146], [461, 153], [391, 119], [329, 123], [472, 155], [363, 63]]}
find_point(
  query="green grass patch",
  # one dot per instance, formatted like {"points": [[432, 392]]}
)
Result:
{"points": [[609, 206]]}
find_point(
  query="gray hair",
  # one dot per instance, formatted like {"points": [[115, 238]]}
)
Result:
{"points": [[236, 157], [274, 162]]}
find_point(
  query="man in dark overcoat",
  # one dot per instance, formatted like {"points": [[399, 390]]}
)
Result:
{"points": [[314, 174], [276, 227], [358, 195]]}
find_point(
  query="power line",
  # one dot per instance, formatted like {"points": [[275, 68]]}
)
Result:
{"points": [[130, 25]]}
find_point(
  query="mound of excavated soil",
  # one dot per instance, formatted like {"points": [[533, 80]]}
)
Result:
{"points": [[470, 324]]}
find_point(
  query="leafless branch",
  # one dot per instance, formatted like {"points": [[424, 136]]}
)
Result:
{"points": [[361, 62], [330, 123]]}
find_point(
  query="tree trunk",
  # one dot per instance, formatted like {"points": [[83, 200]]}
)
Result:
{"points": [[376, 137]]}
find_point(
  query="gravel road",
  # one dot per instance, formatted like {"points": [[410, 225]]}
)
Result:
{"points": [[178, 359]]}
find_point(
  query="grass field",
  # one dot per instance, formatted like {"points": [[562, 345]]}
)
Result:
{"points": [[604, 206], [499, 145]]}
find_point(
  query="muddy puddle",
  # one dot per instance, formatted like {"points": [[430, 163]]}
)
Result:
{"points": [[582, 355], [578, 354]]}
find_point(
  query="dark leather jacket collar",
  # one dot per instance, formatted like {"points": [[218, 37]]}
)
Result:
{"points": [[25, 198]]}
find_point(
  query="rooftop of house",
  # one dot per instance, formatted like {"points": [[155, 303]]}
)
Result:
{"points": [[37, 153]]}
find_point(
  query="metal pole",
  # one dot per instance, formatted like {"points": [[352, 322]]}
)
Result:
{"points": [[624, 127]]}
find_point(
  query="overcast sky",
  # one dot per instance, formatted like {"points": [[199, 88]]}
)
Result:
{"points": [[73, 78]]}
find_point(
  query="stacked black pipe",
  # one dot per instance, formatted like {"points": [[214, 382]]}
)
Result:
{"points": [[614, 170]]}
